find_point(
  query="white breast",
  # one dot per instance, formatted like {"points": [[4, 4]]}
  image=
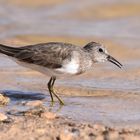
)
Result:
{"points": [[71, 67]]}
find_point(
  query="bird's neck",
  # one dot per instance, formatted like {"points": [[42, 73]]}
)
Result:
{"points": [[86, 61], [90, 55]]}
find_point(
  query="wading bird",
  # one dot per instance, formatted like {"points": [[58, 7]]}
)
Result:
{"points": [[58, 59]]}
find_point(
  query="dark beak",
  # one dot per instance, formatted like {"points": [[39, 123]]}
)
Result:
{"points": [[114, 61]]}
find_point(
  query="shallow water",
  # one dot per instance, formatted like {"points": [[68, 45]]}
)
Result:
{"points": [[114, 93]]}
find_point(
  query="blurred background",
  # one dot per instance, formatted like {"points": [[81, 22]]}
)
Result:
{"points": [[115, 23]]}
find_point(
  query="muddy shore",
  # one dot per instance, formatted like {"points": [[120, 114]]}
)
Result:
{"points": [[38, 122]]}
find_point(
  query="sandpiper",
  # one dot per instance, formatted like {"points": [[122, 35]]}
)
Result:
{"points": [[58, 59]]}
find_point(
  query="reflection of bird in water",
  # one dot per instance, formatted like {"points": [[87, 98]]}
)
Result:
{"points": [[59, 59]]}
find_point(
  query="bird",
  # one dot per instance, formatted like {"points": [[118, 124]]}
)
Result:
{"points": [[59, 59]]}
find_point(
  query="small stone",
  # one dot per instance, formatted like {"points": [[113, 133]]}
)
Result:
{"points": [[4, 100], [100, 137], [34, 103], [113, 135], [99, 127], [48, 115], [130, 137], [65, 135], [35, 111], [41, 131], [3, 117]]}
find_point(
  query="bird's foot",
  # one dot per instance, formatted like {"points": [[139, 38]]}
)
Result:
{"points": [[59, 99]]}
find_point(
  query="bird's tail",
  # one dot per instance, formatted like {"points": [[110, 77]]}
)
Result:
{"points": [[9, 51]]}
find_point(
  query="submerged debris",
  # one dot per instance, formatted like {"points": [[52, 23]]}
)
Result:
{"points": [[36, 111], [33, 103]]}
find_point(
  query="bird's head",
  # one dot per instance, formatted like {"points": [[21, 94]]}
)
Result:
{"points": [[99, 53]]}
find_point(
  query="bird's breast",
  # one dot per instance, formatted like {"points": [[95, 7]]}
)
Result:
{"points": [[71, 67]]}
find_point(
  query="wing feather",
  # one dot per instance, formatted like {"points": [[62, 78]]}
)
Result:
{"points": [[49, 55]]}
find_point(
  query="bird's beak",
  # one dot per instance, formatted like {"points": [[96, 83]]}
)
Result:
{"points": [[114, 61]]}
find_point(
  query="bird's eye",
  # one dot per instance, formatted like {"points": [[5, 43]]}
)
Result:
{"points": [[100, 50]]}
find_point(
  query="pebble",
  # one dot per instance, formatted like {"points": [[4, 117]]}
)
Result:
{"points": [[4, 100], [66, 136], [99, 127], [113, 135], [48, 115], [40, 131], [100, 137], [3, 117], [131, 137], [37, 111]]}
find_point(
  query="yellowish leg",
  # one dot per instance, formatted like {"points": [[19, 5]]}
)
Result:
{"points": [[49, 87], [51, 90]]}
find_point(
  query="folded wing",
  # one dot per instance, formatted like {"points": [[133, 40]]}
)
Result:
{"points": [[50, 55]]}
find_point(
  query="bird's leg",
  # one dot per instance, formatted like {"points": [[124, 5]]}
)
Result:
{"points": [[52, 90]]}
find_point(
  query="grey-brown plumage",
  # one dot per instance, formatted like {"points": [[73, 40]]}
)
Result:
{"points": [[50, 55], [59, 58]]}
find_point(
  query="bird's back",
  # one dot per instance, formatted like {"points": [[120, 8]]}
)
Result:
{"points": [[46, 54]]}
